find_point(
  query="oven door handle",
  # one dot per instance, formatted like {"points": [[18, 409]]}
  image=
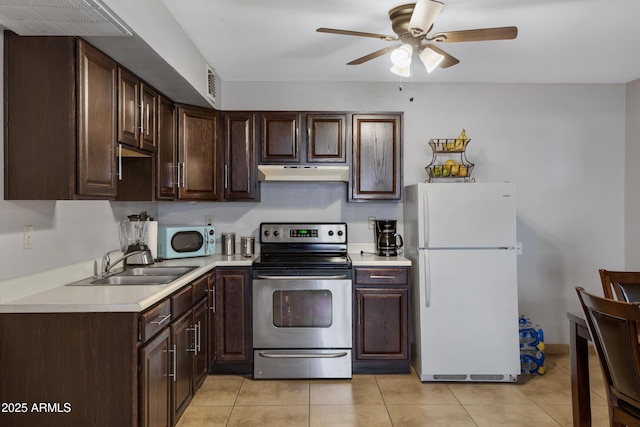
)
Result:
{"points": [[341, 276], [301, 355]]}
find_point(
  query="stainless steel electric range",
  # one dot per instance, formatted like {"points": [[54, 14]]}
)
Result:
{"points": [[302, 302]]}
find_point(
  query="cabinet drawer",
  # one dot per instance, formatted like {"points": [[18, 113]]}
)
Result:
{"points": [[154, 320], [382, 276], [200, 287], [181, 301]]}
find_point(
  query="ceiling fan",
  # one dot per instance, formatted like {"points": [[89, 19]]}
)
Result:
{"points": [[412, 23]]}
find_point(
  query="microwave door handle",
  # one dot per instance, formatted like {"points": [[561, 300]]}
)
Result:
{"points": [[206, 242]]}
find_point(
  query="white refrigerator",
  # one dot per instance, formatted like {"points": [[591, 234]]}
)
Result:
{"points": [[461, 239]]}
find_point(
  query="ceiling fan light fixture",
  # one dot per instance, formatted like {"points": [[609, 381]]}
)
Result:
{"points": [[430, 58], [401, 57], [423, 16], [401, 71]]}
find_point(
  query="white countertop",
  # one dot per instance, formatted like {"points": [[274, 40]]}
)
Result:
{"points": [[360, 259], [47, 292]]}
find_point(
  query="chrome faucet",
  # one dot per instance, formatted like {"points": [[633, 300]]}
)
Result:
{"points": [[107, 265]]}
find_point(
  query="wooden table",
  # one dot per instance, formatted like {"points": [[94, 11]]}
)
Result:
{"points": [[579, 350]]}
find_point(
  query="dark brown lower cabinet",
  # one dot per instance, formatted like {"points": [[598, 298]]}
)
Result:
{"points": [[231, 320], [381, 320], [183, 380], [104, 368], [156, 381]]}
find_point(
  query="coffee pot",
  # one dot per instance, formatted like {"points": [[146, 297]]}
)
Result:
{"points": [[388, 241]]}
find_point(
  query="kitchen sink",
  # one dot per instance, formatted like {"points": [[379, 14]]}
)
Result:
{"points": [[134, 280], [150, 275], [156, 271]]}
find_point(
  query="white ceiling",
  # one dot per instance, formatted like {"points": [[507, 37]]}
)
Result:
{"points": [[559, 41]]}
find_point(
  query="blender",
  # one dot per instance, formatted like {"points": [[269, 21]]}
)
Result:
{"points": [[133, 239]]}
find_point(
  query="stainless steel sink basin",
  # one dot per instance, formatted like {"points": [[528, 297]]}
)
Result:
{"points": [[135, 280], [151, 275], [156, 271]]}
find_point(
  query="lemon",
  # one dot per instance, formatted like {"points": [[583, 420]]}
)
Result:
{"points": [[463, 171], [450, 162], [454, 170]]}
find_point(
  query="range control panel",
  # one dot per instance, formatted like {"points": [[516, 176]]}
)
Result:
{"points": [[281, 232]]}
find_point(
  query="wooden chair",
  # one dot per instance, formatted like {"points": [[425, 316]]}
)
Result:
{"points": [[613, 326], [621, 285]]}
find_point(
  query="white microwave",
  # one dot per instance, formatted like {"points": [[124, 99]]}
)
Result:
{"points": [[186, 241]]}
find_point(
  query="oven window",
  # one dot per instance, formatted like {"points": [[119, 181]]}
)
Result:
{"points": [[302, 309], [187, 241]]}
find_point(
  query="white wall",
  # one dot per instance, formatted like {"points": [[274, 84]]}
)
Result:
{"points": [[562, 144], [632, 178]]}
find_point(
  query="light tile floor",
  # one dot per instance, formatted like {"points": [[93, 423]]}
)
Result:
{"points": [[394, 400]]}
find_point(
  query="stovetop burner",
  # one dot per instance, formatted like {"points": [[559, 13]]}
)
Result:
{"points": [[303, 245]]}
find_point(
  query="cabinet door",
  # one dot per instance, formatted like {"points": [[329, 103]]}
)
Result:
{"points": [[166, 151], [240, 179], [128, 108], [200, 365], [40, 105], [326, 138], [233, 315], [382, 328], [148, 117], [97, 109], [377, 157], [155, 381], [198, 154], [182, 332], [279, 138]]}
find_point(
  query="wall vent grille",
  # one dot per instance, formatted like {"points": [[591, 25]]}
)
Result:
{"points": [[211, 84], [60, 18]]}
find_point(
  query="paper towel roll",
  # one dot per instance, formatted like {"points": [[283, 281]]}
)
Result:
{"points": [[152, 238]]}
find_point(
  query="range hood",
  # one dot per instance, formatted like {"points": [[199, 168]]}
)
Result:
{"points": [[303, 173], [60, 18]]}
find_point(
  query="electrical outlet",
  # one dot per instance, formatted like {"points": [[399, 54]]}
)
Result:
{"points": [[372, 222], [208, 220], [26, 238]]}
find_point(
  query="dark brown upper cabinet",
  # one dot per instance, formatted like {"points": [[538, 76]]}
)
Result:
{"points": [[377, 157], [240, 157], [137, 118], [326, 138], [322, 140], [166, 163], [198, 176], [60, 119], [279, 138]]}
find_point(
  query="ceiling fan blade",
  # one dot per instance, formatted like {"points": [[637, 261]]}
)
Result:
{"points": [[372, 55], [357, 33], [482, 34], [424, 13], [448, 60]]}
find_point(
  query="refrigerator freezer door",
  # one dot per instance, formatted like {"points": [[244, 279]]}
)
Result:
{"points": [[466, 315], [480, 215]]}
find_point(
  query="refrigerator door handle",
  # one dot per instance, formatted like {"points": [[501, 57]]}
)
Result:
{"points": [[425, 220], [427, 281]]}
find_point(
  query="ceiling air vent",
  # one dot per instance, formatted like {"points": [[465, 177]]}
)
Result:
{"points": [[211, 85], [60, 18]]}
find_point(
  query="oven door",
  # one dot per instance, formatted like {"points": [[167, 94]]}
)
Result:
{"points": [[301, 312]]}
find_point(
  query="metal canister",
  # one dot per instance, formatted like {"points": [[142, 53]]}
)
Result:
{"points": [[228, 244], [247, 246]]}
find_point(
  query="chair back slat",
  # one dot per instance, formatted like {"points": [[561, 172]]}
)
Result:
{"points": [[621, 285], [613, 326]]}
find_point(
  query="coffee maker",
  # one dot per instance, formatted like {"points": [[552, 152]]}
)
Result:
{"points": [[388, 241]]}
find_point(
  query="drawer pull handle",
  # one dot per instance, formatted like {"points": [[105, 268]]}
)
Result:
{"points": [[381, 277], [162, 320]]}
